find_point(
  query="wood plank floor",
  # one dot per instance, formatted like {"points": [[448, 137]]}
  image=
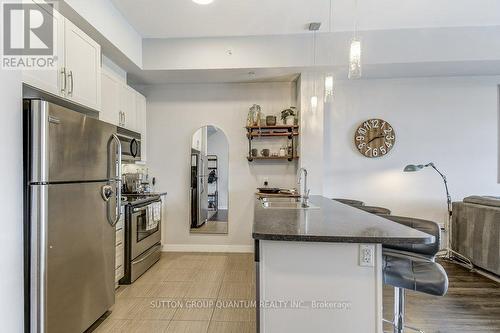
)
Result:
{"points": [[472, 304], [185, 292]]}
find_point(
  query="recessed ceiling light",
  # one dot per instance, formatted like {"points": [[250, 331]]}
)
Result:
{"points": [[203, 2]]}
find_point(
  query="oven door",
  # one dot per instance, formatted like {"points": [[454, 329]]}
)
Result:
{"points": [[131, 148], [142, 237]]}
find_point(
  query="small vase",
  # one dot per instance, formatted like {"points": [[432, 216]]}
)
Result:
{"points": [[289, 120]]}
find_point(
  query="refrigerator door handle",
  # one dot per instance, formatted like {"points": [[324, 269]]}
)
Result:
{"points": [[114, 220]]}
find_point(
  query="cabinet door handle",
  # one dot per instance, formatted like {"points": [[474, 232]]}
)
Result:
{"points": [[63, 73], [119, 118], [71, 83]]}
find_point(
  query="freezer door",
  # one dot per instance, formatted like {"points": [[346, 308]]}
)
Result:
{"points": [[79, 257], [68, 146]]}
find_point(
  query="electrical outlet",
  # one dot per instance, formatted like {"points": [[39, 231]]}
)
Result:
{"points": [[366, 255]]}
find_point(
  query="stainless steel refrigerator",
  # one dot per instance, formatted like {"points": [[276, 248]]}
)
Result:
{"points": [[71, 163], [199, 189]]}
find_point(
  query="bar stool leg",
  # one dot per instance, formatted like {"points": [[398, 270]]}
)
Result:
{"points": [[399, 310]]}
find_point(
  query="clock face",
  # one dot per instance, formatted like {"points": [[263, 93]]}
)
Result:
{"points": [[374, 138]]}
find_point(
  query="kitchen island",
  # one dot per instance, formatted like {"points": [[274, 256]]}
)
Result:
{"points": [[319, 269]]}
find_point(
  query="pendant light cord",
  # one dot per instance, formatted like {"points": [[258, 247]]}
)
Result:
{"points": [[330, 21], [356, 19], [314, 48]]}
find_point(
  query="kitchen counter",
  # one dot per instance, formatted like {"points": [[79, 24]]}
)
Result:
{"points": [[332, 222], [324, 264]]}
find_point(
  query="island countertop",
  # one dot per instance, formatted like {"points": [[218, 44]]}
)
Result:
{"points": [[332, 222]]}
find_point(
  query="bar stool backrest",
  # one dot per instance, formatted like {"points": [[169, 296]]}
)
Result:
{"points": [[429, 227]]}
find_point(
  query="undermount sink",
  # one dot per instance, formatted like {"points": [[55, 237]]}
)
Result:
{"points": [[285, 204]]}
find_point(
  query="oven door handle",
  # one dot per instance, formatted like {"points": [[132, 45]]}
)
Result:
{"points": [[137, 210], [146, 254], [141, 209]]}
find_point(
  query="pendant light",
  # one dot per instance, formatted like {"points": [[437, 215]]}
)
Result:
{"points": [[314, 27], [355, 50], [329, 78], [328, 88]]}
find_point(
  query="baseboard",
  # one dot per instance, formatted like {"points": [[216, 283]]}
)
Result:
{"points": [[482, 272], [207, 248]]}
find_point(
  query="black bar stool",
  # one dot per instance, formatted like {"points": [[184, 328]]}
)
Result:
{"points": [[412, 267], [350, 202]]}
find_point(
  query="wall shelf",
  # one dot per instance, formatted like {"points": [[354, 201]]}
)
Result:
{"points": [[291, 132], [273, 127], [213, 198], [276, 158], [264, 134]]}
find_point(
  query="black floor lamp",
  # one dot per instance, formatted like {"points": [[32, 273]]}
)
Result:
{"points": [[446, 253]]}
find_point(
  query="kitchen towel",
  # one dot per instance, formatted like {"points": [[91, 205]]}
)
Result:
{"points": [[157, 211], [150, 223], [154, 216]]}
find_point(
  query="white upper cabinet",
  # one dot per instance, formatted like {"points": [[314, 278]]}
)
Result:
{"points": [[110, 99], [121, 105], [128, 108], [50, 81], [83, 67], [78, 74]]}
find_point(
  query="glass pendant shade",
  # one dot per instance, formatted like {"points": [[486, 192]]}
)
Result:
{"points": [[355, 59], [328, 88], [314, 103]]}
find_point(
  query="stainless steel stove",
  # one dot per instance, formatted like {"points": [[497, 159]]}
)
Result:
{"points": [[142, 234]]}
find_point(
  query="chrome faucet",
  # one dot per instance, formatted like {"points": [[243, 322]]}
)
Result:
{"points": [[305, 194]]}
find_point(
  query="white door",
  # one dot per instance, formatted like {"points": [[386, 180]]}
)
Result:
{"points": [[51, 81], [140, 102], [127, 106], [83, 67], [110, 99]]}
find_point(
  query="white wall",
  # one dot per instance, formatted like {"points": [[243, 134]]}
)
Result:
{"points": [[406, 46], [111, 24], [11, 237], [217, 145], [450, 121], [175, 112], [311, 149]]}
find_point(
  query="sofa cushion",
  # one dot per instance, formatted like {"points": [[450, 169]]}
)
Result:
{"points": [[483, 200]]}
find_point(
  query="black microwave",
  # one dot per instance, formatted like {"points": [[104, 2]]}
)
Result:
{"points": [[131, 144]]}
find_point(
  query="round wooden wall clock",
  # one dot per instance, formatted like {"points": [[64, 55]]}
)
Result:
{"points": [[374, 138]]}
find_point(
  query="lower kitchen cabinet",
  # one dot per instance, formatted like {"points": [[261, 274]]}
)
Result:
{"points": [[120, 248]]}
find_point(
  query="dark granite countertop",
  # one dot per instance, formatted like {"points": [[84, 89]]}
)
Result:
{"points": [[333, 222]]}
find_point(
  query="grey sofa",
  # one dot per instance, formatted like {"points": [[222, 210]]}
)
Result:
{"points": [[476, 231]]}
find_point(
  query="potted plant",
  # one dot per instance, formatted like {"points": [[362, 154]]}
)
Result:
{"points": [[288, 115]]}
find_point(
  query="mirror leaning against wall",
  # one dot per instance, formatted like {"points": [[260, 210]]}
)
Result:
{"points": [[209, 181]]}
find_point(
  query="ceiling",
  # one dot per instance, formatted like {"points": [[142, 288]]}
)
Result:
{"points": [[290, 74], [183, 18]]}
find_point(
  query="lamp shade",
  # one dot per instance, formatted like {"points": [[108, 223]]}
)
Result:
{"points": [[413, 167]]}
